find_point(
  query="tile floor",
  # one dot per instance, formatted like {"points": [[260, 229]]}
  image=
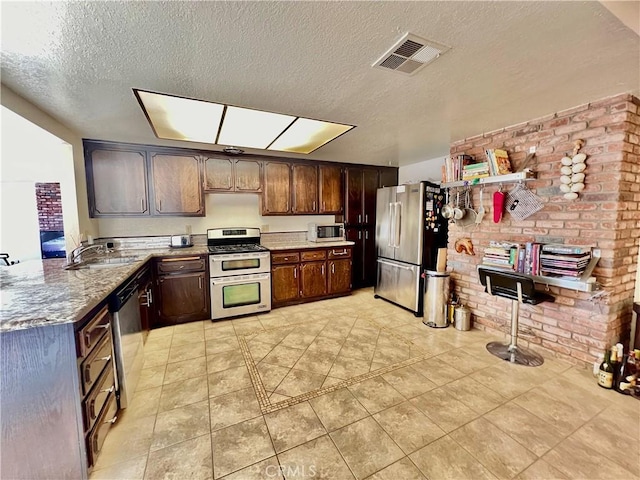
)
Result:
{"points": [[357, 388]]}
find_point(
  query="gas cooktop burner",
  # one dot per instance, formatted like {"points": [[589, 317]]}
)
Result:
{"points": [[252, 247]]}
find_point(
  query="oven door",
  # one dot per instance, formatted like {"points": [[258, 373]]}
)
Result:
{"points": [[240, 295], [239, 264]]}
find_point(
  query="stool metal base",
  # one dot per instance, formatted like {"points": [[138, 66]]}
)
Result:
{"points": [[513, 354]]}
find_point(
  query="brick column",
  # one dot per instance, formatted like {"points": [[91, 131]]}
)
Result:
{"points": [[606, 215]]}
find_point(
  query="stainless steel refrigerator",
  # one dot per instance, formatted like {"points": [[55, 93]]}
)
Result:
{"points": [[409, 231]]}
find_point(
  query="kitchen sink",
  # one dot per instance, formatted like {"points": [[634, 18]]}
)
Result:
{"points": [[103, 263]]}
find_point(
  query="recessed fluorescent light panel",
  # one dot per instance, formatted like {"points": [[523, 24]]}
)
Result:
{"points": [[179, 118]]}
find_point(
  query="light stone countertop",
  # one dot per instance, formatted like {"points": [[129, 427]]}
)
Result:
{"points": [[40, 292]]}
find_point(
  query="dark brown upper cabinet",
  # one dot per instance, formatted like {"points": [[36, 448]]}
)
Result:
{"points": [[225, 174], [176, 181], [304, 189], [330, 195], [276, 196], [361, 188], [116, 181]]}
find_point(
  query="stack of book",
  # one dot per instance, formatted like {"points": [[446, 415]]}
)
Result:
{"points": [[522, 258], [454, 166], [564, 260], [475, 170], [498, 160], [503, 255]]}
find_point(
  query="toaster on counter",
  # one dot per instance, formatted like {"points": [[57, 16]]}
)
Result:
{"points": [[181, 241]]}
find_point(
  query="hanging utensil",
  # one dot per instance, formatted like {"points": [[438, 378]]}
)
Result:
{"points": [[458, 213], [447, 210], [469, 217], [480, 213]]}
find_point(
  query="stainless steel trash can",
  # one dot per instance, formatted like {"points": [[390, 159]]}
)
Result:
{"points": [[436, 299], [462, 317]]}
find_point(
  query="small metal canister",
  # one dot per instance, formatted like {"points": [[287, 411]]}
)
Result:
{"points": [[462, 318]]}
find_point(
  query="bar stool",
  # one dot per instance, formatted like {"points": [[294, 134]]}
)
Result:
{"points": [[519, 289]]}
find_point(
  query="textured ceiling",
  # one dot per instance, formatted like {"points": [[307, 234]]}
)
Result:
{"points": [[509, 62]]}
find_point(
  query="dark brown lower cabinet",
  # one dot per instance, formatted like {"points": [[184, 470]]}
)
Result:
{"points": [[364, 255], [339, 279], [299, 276], [313, 279], [285, 285], [182, 290]]}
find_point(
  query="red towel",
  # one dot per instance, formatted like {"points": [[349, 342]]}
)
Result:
{"points": [[498, 206]]}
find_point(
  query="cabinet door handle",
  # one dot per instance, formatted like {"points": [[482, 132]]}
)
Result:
{"points": [[322, 269], [366, 234], [324, 206], [106, 359], [366, 218], [344, 252], [295, 273], [87, 336], [359, 218], [160, 209], [181, 259], [313, 207], [200, 283], [113, 420], [359, 235], [333, 268], [149, 297]]}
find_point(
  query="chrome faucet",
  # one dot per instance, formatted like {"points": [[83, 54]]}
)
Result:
{"points": [[77, 252]]}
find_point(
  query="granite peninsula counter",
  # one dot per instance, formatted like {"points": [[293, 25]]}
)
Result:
{"points": [[41, 292]]}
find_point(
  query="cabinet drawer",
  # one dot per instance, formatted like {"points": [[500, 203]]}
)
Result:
{"points": [[92, 405], [89, 335], [278, 258], [95, 439], [95, 362], [183, 264], [310, 255], [340, 253]]}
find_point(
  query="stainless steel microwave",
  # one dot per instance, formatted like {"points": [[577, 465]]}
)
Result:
{"points": [[325, 232]]}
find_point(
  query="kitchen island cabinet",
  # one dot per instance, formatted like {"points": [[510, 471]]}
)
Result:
{"points": [[182, 290]]}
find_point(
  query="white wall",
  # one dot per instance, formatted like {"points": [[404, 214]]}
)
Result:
{"points": [[29, 155], [426, 170], [77, 212], [223, 210]]}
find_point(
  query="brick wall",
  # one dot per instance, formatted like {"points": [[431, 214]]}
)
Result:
{"points": [[49, 204], [578, 326]]}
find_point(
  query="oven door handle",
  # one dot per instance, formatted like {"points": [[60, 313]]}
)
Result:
{"points": [[245, 279]]}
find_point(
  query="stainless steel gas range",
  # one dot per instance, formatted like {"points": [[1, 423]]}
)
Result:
{"points": [[240, 271]]}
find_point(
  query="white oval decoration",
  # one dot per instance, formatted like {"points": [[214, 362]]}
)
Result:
{"points": [[571, 196]]}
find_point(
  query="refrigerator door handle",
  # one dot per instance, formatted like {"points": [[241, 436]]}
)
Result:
{"points": [[395, 265], [398, 226], [391, 229]]}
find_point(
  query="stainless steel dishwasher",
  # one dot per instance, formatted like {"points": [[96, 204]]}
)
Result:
{"points": [[127, 338]]}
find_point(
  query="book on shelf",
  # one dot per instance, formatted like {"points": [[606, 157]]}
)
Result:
{"points": [[454, 167], [503, 164], [565, 249], [498, 160]]}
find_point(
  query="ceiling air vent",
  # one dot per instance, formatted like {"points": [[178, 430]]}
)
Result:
{"points": [[410, 54]]}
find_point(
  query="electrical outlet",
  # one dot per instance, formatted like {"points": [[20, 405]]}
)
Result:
{"points": [[532, 149]]}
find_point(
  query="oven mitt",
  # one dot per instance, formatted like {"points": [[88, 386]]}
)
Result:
{"points": [[498, 206]]}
